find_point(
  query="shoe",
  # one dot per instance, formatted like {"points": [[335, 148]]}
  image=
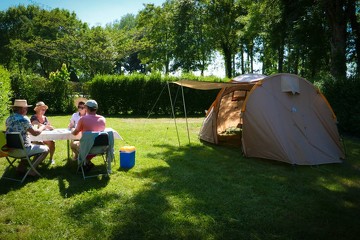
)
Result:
{"points": [[52, 161]]}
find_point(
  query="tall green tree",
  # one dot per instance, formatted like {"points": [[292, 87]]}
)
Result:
{"points": [[157, 36], [128, 45], [37, 39], [16, 28], [193, 41], [222, 18], [251, 36], [98, 52]]}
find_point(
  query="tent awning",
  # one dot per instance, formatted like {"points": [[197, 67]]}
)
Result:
{"points": [[208, 85]]}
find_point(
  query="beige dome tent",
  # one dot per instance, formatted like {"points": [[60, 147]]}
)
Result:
{"points": [[282, 117]]}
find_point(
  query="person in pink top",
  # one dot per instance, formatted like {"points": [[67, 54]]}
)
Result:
{"points": [[90, 122]]}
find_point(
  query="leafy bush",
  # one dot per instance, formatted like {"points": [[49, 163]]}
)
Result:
{"points": [[58, 93], [343, 96], [5, 92], [28, 86], [55, 92]]}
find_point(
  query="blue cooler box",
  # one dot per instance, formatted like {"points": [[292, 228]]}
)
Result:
{"points": [[127, 157]]}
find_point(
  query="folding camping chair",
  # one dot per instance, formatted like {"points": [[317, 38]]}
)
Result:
{"points": [[100, 146], [14, 141]]}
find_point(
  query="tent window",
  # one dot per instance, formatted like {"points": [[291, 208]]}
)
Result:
{"points": [[238, 95], [290, 84]]}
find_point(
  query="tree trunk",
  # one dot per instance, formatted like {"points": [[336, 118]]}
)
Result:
{"points": [[335, 13], [251, 55], [228, 61], [280, 57], [242, 60]]}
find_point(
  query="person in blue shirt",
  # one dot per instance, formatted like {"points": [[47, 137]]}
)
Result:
{"points": [[19, 122]]}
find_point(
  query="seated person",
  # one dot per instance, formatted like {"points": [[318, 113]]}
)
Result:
{"points": [[39, 119], [80, 104], [19, 122], [90, 122]]}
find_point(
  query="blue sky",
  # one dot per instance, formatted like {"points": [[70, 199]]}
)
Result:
{"points": [[94, 12]]}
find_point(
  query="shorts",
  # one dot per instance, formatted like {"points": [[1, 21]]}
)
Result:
{"points": [[33, 149]]}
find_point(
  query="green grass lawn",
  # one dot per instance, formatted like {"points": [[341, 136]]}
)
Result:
{"points": [[191, 191]]}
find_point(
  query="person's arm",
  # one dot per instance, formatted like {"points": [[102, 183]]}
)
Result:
{"points": [[78, 127], [34, 120], [36, 131], [75, 131], [72, 122], [48, 124]]}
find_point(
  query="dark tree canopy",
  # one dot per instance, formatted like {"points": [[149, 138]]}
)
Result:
{"points": [[303, 37]]}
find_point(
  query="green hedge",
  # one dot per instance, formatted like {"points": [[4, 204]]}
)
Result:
{"points": [[5, 93], [139, 94]]}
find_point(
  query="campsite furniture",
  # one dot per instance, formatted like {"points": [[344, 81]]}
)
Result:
{"points": [[65, 134], [281, 117], [14, 141], [93, 144]]}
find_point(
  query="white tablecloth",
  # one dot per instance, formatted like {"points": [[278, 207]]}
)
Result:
{"points": [[64, 134]]}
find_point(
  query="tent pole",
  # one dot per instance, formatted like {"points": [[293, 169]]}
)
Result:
{"points": [[173, 113], [156, 102], [187, 125]]}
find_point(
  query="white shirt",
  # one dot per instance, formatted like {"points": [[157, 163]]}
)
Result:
{"points": [[75, 119]]}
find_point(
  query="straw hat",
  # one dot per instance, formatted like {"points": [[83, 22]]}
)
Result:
{"points": [[40, 105], [79, 99], [20, 103]]}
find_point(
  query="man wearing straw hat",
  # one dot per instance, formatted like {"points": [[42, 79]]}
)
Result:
{"points": [[19, 122]]}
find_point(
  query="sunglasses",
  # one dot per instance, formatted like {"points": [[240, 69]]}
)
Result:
{"points": [[81, 107]]}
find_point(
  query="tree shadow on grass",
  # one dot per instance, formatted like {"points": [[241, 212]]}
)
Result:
{"points": [[7, 185], [70, 181], [216, 193], [207, 192]]}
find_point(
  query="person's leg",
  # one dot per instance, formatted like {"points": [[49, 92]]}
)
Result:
{"points": [[41, 151], [51, 145], [23, 164], [21, 168], [75, 145]]}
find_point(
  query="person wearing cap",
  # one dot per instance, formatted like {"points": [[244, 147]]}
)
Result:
{"points": [[39, 119], [90, 122], [19, 122], [80, 104]]}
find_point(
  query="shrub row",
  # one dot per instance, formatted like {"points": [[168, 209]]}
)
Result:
{"points": [[140, 94]]}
